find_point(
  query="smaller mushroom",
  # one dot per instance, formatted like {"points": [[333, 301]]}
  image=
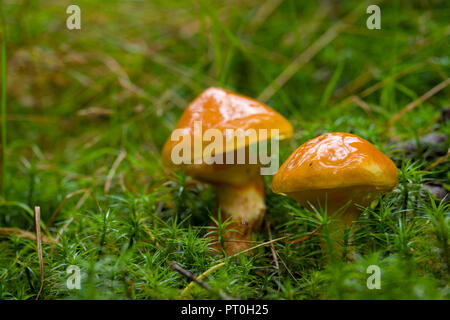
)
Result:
{"points": [[337, 171]]}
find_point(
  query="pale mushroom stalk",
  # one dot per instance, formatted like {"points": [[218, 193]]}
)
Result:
{"points": [[343, 208], [244, 206], [339, 222]]}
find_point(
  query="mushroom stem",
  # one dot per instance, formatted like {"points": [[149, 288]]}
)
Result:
{"points": [[342, 211], [244, 207], [336, 229]]}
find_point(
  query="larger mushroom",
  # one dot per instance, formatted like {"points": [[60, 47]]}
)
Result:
{"points": [[336, 171], [239, 186]]}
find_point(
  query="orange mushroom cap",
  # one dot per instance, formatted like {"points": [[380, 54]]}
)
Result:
{"points": [[335, 161], [221, 109]]}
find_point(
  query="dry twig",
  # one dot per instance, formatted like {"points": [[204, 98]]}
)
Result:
{"points": [[274, 254], [67, 197], [202, 276], [288, 270], [37, 220], [25, 234], [418, 101], [113, 169], [438, 161], [175, 266]]}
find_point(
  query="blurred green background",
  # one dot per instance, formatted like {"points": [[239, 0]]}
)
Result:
{"points": [[79, 100]]}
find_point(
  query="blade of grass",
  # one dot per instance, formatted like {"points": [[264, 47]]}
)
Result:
{"points": [[237, 43], [25, 207], [332, 84]]}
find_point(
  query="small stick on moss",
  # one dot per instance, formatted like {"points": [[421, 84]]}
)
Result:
{"points": [[202, 276], [175, 266], [288, 270], [222, 263], [37, 219]]}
